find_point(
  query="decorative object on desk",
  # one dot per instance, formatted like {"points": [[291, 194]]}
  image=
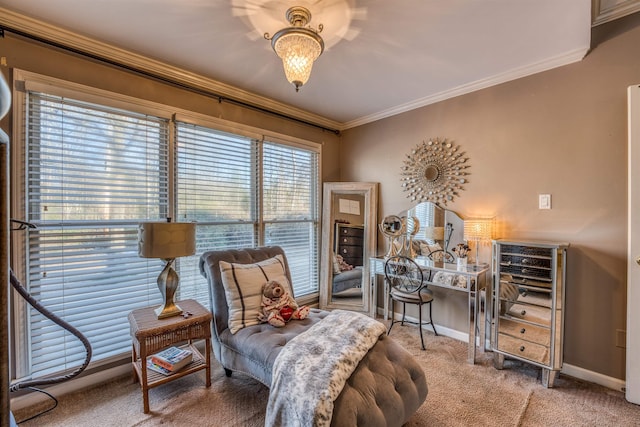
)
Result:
{"points": [[167, 241], [434, 171], [433, 234], [461, 263], [461, 250], [392, 227], [478, 230], [172, 358], [412, 227]]}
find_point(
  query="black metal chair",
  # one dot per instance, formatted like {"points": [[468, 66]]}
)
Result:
{"points": [[407, 285]]}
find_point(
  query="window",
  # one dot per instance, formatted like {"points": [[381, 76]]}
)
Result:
{"points": [[94, 171]]}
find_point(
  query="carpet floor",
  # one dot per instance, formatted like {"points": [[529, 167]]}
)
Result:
{"points": [[460, 394]]}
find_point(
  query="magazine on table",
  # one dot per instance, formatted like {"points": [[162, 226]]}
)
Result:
{"points": [[172, 358]]}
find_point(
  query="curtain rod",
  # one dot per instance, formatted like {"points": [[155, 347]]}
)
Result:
{"points": [[172, 82]]}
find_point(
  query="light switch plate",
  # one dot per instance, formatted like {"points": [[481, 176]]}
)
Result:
{"points": [[544, 201]]}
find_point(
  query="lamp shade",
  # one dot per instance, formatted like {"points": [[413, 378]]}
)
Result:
{"points": [[298, 48], [166, 240], [478, 229], [434, 233]]}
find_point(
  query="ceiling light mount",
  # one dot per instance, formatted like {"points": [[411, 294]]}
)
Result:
{"points": [[298, 45]]}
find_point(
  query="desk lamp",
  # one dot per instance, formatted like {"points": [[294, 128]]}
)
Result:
{"points": [[167, 241], [478, 230]]}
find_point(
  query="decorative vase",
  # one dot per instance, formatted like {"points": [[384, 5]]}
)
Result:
{"points": [[461, 263]]}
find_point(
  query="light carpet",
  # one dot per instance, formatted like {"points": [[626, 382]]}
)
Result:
{"points": [[460, 394]]}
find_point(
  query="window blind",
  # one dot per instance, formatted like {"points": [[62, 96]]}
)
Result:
{"points": [[290, 188], [216, 186], [93, 173]]}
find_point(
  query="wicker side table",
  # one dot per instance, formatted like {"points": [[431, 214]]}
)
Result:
{"points": [[150, 335]]}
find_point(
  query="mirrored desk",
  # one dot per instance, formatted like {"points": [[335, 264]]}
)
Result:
{"points": [[470, 279]]}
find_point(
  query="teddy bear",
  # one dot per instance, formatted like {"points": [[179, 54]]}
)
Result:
{"points": [[278, 306]]}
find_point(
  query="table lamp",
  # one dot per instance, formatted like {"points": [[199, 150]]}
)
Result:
{"points": [[478, 230], [167, 241], [434, 233]]}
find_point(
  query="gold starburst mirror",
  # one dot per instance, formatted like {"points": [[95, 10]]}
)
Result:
{"points": [[435, 171]]}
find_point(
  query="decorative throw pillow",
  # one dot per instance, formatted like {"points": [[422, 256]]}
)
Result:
{"points": [[243, 288]]}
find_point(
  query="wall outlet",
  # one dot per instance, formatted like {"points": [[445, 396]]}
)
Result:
{"points": [[544, 201], [621, 338]]}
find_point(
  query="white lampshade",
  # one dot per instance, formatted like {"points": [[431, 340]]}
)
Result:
{"points": [[166, 240], [478, 229], [434, 233]]}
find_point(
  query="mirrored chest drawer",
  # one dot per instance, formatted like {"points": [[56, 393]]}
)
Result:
{"points": [[348, 243], [528, 315]]}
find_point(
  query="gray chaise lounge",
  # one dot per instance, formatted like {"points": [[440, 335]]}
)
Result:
{"points": [[386, 388]]}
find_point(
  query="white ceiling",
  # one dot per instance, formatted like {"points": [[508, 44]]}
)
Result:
{"points": [[382, 57]]}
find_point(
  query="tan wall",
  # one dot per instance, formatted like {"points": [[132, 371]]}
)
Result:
{"points": [[30, 56], [561, 132]]}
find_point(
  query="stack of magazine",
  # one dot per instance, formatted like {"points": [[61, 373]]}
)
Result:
{"points": [[169, 360]]}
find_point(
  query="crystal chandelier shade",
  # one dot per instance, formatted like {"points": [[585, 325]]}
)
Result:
{"points": [[297, 46]]}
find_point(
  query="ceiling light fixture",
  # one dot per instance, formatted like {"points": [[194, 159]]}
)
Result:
{"points": [[298, 46]]}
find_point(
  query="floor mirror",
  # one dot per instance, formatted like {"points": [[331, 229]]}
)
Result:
{"points": [[348, 241]]}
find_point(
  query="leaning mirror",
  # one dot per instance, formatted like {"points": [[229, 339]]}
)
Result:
{"points": [[349, 225]]}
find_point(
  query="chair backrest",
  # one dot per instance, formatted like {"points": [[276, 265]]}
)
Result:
{"points": [[404, 274], [210, 268]]}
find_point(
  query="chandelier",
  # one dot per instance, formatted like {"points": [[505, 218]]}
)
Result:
{"points": [[298, 46]]}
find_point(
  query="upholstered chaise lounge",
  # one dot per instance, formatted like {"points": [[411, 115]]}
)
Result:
{"points": [[385, 389]]}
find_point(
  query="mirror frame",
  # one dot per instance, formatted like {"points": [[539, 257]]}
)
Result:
{"points": [[370, 192]]}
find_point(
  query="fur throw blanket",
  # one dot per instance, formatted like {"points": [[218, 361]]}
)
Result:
{"points": [[311, 370]]}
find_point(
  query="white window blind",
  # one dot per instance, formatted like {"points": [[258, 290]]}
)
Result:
{"points": [[216, 186], [93, 174], [290, 189]]}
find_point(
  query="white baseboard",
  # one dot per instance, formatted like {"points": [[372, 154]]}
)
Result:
{"points": [[593, 377], [567, 369]]}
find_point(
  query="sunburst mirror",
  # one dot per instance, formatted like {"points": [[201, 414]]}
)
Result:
{"points": [[435, 171]]}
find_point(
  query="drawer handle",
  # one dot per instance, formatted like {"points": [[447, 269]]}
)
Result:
{"points": [[525, 261], [521, 348], [523, 312], [524, 293], [345, 240], [344, 251], [522, 331]]}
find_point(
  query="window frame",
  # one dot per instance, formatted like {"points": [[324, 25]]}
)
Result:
{"points": [[25, 81]]}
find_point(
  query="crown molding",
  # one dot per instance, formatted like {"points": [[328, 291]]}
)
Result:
{"points": [[101, 50], [608, 10], [517, 73]]}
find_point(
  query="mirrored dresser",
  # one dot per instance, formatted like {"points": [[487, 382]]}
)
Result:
{"points": [[529, 295]]}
